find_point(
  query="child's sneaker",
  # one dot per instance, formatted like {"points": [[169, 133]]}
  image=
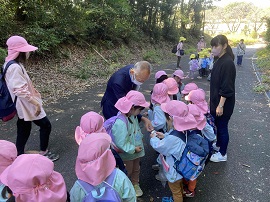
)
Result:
{"points": [[158, 177], [199, 77], [215, 147], [53, 157], [155, 167], [138, 190], [217, 157], [188, 194]]}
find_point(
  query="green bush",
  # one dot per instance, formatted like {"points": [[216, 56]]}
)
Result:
{"points": [[3, 54]]}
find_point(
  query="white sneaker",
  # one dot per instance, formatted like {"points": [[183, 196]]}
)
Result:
{"points": [[199, 77], [217, 157], [215, 147]]}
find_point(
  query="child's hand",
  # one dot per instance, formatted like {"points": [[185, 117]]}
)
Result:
{"points": [[160, 135], [138, 149]]}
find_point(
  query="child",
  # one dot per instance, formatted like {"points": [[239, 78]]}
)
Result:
{"points": [[189, 87], [178, 75], [91, 122], [28, 99], [95, 164], [172, 88], [160, 76], [189, 190], [129, 139], [31, 178], [8, 154], [171, 146], [204, 64], [193, 65], [157, 116]]}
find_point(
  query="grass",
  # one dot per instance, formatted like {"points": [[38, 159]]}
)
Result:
{"points": [[263, 63]]}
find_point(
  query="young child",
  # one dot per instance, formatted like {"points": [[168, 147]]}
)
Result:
{"points": [[157, 116], [172, 87], [91, 122], [95, 164], [129, 139], [171, 146], [31, 178], [189, 87], [204, 64], [8, 154], [189, 189], [193, 65], [160, 76], [178, 75]]}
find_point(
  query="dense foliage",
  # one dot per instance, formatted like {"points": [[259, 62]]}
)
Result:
{"points": [[50, 23]]}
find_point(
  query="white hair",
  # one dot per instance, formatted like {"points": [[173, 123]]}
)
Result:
{"points": [[143, 65]]}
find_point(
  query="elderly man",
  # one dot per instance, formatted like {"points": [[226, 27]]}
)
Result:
{"points": [[121, 82]]}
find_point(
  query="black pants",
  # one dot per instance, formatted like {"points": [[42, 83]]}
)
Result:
{"points": [[24, 130], [178, 61]]}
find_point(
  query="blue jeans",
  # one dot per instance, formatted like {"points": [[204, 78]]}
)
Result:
{"points": [[239, 59], [24, 130], [222, 133]]}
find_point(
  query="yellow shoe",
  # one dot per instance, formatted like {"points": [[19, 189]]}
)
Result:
{"points": [[138, 190]]}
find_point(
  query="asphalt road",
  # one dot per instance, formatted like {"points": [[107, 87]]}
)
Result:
{"points": [[244, 177]]}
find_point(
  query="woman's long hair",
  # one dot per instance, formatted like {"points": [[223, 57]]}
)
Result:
{"points": [[222, 40]]}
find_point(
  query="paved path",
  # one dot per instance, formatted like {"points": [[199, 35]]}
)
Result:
{"points": [[244, 177]]}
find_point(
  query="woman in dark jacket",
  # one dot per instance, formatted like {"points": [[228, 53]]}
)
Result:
{"points": [[222, 93]]}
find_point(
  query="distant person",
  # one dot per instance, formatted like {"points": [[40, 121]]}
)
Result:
{"points": [[222, 93], [128, 78], [95, 167], [28, 99], [180, 51], [201, 44], [241, 51], [193, 65], [31, 177]]}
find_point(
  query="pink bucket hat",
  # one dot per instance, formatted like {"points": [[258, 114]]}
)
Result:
{"points": [[172, 86], [197, 97], [133, 98], [160, 94], [31, 178], [198, 115], [179, 73], [95, 161], [91, 122], [17, 44], [182, 119], [189, 87], [159, 74], [8, 154]]}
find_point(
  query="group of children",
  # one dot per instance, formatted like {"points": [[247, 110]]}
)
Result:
{"points": [[174, 107], [203, 63]]}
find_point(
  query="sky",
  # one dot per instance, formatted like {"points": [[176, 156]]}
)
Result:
{"points": [[258, 3]]}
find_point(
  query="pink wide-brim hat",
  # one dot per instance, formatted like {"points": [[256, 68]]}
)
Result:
{"points": [[172, 86], [31, 178], [17, 44], [198, 115], [197, 97], [95, 161], [159, 74], [182, 119], [8, 154], [160, 94], [91, 122], [179, 73], [189, 87], [133, 98]]}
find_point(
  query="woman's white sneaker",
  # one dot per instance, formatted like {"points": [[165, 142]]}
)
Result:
{"points": [[217, 157]]}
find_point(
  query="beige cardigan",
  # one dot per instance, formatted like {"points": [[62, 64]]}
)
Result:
{"points": [[20, 85]]}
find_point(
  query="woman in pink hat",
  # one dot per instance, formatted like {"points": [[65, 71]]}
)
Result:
{"points": [[178, 75], [8, 154], [31, 178], [129, 139], [28, 99], [95, 169], [179, 120], [172, 87]]}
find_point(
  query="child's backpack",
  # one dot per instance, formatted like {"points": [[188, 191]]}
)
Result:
{"points": [[174, 49], [193, 158], [108, 124], [7, 106], [211, 121], [103, 192]]}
